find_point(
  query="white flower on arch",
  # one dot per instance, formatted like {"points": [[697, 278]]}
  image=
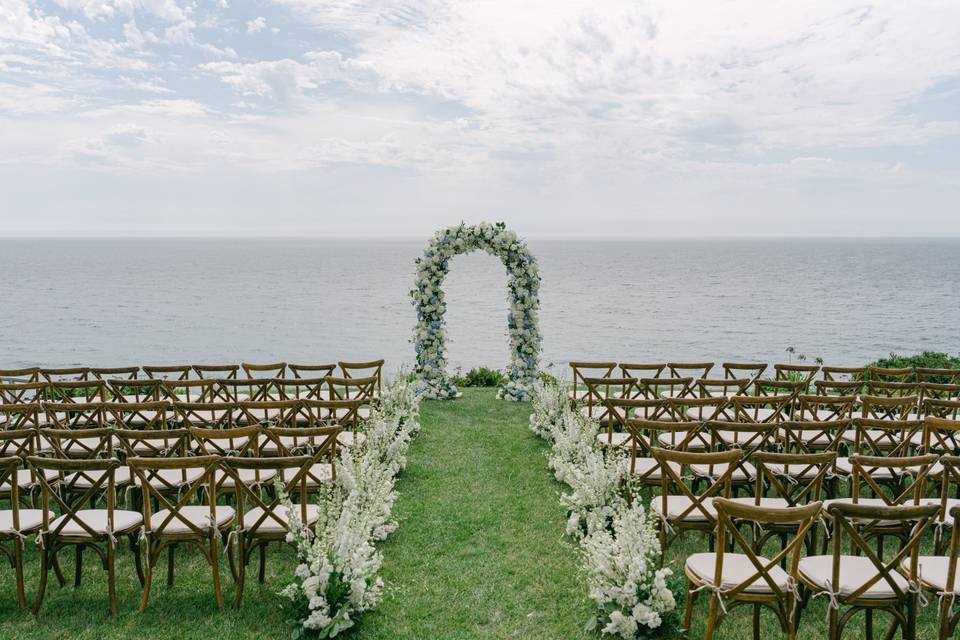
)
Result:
{"points": [[522, 322]]}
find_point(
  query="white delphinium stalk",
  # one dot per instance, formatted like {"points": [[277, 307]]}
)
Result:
{"points": [[549, 401]]}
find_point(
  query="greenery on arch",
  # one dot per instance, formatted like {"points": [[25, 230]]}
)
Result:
{"points": [[523, 321]]}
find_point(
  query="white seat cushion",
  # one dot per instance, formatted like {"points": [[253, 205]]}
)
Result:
{"points": [[643, 466], [676, 505], [166, 478], [615, 439], [774, 503], [270, 524], [737, 568], [793, 470], [810, 437], [933, 573], [869, 502], [844, 466], [291, 443], [743, 471], [30, 519], [349, 438], [249, 477], [96, 519], [25, 479], [198, 515], [322, 471], [739, 438], [671, 439], [881, 438], [85, 480], [855, 571]]}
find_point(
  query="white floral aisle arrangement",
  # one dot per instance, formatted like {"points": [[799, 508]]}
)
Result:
{"points": [[337, 575], [523, 321], [620, 549]]}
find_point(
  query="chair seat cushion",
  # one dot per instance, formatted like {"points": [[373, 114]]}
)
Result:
{"points": [[933, 573], [739, 438], [855, 571], [249, 477], [881, 438], [672, 439], [793, 470], [322, 472], [737, 568], [25, 479], [86, 479], [844, 466], [96, 519], [161, 479], [30, 519], [198, 515], [677, 505], [349, 438], [810, 437], [270, 524], [615, 439], [644, 466], [774, 503], [743, 471]]}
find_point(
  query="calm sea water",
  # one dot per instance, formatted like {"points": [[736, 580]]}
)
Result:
{"points": [[118, 302]]}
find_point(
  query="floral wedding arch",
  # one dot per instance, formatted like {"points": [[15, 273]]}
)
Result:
{"points": [[522, 321]]}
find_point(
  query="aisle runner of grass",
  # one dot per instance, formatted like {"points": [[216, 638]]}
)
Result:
{"points": [[480, 551]]}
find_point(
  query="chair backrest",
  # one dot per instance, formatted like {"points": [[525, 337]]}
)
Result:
{"points": [[115, 373], [22, 392], [939, 391], [168, 372], [17, 442], [301, 388], [865, 468], [852, 537], [689, 369], [138, 390], [278, 413], [696, 409], [725, 387], [730, 514], [841, 374], [599, 389], [941, 408], [721, 464], [272, 513], [882, 388], [158, 486], [243, 389], [69, 415], [138, 415], [207, 415], [886, 408], [9, 466], [820, 408], [642, 369], [26, 374], [316, 413], [89, 444], [580, 370], [238, 442], [655, 388], [805, 437], [65, 374], [738, 370], [838, 387], [746, 436], [780, 387], [796, 373], [319, 443], [949, 484], [196, 390], [363, 389], [216, 370], [25, 415], [99, 475], [796, 478], [890, 374], [270, 370], [941, 435], [370, 369], [312, 370], [885, 437], [77, 391], [760, 409], [156, 443], [940, 376]]}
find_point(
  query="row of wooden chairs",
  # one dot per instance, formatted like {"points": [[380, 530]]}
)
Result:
{"points": [[200, 390], [194, 371], [179, 503]]}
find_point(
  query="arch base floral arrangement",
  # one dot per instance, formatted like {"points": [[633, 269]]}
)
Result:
{"points": [[523, 323]]}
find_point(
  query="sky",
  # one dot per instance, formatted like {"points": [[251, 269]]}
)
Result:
{"points": [[561, 118]]}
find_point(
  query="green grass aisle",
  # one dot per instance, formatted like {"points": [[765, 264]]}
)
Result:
{"points": [[480, 551]]}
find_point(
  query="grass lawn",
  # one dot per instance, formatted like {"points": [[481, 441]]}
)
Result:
{"points": [[480, 553]]}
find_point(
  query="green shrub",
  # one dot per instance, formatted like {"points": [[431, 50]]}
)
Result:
{"points": [[479, 377], [925, 360]]}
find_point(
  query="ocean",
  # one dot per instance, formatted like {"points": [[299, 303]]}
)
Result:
{"points": [[116, 302]]}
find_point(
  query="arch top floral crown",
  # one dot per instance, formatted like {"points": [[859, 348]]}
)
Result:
{"points": [[522, 321]]}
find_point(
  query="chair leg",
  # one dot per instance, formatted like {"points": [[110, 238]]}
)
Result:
{"points": [[147, 579], [241, 568], [44, 568], [215, 566], [263, 563], [910, 633], [712, 617], [756, 622], [944, 633], [137, 560], [78, 566], [112, 576], [688, 612], [18, 570]]}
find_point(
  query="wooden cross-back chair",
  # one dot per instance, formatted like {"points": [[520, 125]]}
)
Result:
{"points": [[939, 576], [207, 415], [803, 373], [216, 371], [342, 413], [949, 498], [268, 370], [263, 521], [138, 415], [843, 388], [25, 374], [22, 392], [301, 388], [772, 388], [24, 415], [115, 373], [678, 508], [158, 444], [370, 369], [743, 370], [724, 387], [748, 438], [138, 390], [275, 413], [177, 520], [644, 468], [940, 435], [620, 410], [937, 376], [17, 523], [838, 374], [243, 390], [655, 388], [884, 389], [84, 444], [581, 370], [360, 390], [887, 408], [196, 391], [599, 390], [83, 528], [819, 408], [168, 372], [21, 443], [741, 576], [695, 412], [70, 415], [856, 577], [890, 374], [937, 391], [761, 409], [65, 374], [319, 442], [235, 442], [76, 391], [312, 370], [884, 437], [642, 369], [689, 369], [806, 437]]}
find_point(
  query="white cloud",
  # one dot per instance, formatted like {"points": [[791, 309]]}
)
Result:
{"points": [[256, 25]]}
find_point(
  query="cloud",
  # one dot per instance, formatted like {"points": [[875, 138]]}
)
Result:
{"points": [[256, 25]]}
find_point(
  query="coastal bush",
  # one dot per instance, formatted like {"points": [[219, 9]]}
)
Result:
{"points": [[479, 377], [925, 360]]}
